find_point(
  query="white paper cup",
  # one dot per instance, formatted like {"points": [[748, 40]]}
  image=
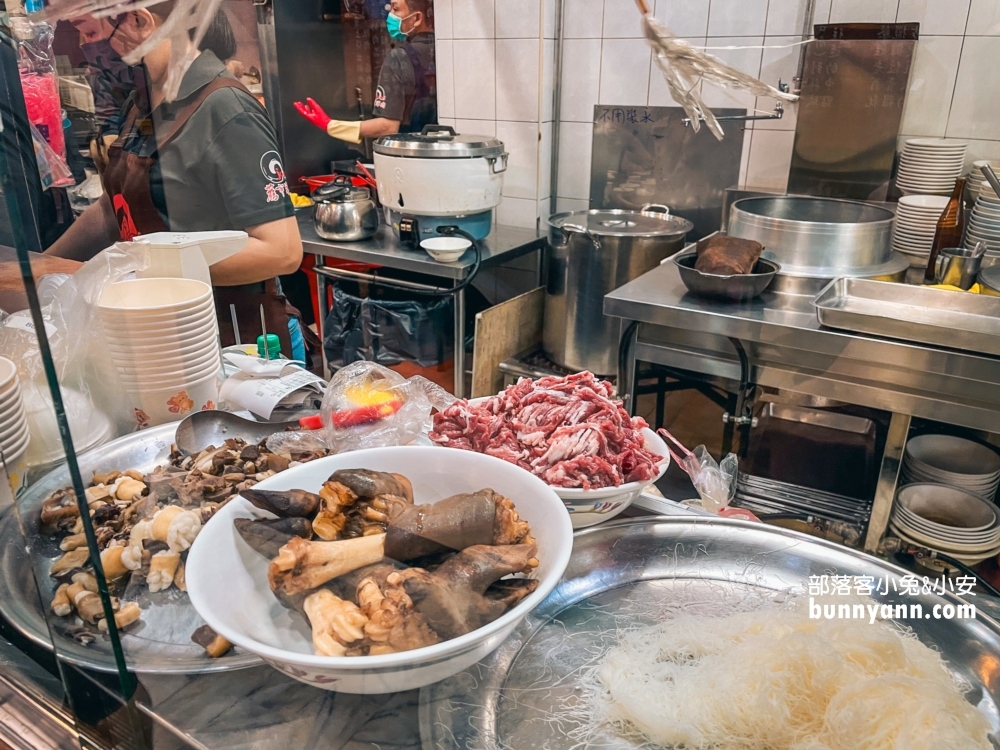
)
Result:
{"points": [[8, 373], [13, 479], [169, 375], [156, 352], [153, 407], [188, 310], [12, 423], [154, 296]]}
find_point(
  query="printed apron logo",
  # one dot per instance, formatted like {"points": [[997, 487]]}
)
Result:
{"points": [[379, 98], [123, 214]]}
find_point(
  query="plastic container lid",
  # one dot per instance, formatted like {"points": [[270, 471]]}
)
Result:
{"points": [[619, 223], [273, 346]]}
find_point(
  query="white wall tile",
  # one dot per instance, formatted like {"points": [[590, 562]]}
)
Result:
{"points": [[549, 19], [785, 17], [737, 18], [476, 127], [545, 160], [864, 11], [520, 140], [932, 83], [687, 19], [443, 49], [518, 19], [770, 159], [984, 18], [583, 19], [517, 79], [475, 78], [936, 17], [746, 60], [659, 94], [581, 80], [572, 204], [547, 87], [624, 72], [449, 121], [443, 28], [517, 212], [575, 148], [982, 150], [821, 11], [473, 19], [622, 20], [778, 65], [975, 110]]}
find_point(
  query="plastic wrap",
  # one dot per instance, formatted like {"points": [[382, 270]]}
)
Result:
{"points": [[368, 406], [715, 482], [91, 388]]}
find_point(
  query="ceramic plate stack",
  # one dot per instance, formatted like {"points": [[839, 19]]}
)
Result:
{"points": [[954, 461], [984, 223], [930, 166], [947, 520], [164, 340], [977, 184], [13, 428], [916, 221]]}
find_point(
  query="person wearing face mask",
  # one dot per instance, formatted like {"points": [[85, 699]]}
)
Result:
{"points": [[207, 161], [406, 95]]}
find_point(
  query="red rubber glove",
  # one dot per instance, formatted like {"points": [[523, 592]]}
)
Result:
{"points": [[314, 113]]}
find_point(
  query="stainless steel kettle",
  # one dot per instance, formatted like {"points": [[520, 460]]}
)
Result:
{"points": [[344, 213]]}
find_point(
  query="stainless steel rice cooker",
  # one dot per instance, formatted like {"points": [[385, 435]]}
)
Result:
{"points": [[439, 178], [589, 254]]}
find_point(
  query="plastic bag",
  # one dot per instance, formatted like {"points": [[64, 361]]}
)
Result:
{"points": [[91, 389], [39, 81], [368, 406], [715, 482], [52, 171]]}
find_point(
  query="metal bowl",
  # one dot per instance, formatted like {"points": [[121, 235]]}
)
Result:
{"points": [[733, 287], [989, 281]]}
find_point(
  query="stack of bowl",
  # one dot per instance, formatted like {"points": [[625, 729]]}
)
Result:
{"points": [[984, 223], [930, 166], [947, 520], [953, 461], [164, 341], [977, 184], [916, 222], [14, 436]]}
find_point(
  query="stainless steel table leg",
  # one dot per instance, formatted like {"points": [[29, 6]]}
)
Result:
{"points": [[626, 376], [321, 300], [888, 477], [459, 306]]}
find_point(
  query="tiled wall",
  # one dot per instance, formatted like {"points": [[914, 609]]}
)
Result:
{"points": [[495, 76]]}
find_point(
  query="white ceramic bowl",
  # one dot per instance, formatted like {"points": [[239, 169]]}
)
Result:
{"points": [[952, 455], [589, 507], [446, 249], [227, 581]]}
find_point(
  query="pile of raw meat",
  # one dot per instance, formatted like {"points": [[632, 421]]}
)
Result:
{"points": [[568, 431]]}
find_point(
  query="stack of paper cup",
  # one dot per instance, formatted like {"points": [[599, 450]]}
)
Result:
{"points": [[13, 427], [164, 341]]}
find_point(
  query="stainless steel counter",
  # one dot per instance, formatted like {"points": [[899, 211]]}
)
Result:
{"points": [[503, 245], [789, 350]]}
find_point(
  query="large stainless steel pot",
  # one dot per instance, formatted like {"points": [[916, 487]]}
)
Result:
{"points": [[344, 213], [589, 254], [819, 237]]}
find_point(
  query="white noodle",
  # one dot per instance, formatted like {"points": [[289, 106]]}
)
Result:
{"points": [[776, 680]]}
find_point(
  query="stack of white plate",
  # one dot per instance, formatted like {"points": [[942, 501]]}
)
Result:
{"points": [[164, 341], [930, 166], [954, 461], [916, 221], [947, 520], [977, 184], [14, 436], [984, 223]]}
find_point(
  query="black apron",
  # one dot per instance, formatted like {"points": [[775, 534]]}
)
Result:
{"points": [[126, 180]]}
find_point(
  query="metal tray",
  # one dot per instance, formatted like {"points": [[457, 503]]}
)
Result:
{"points": [[161, 643], [630, 573], [970, 322]]}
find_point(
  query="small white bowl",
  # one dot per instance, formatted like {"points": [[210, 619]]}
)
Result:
{"points": [[445, 249], [227, 581], [154, 296]]}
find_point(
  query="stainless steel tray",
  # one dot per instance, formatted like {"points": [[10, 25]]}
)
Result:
{"points": [[630, 573], [970, 322], [161, 643]]}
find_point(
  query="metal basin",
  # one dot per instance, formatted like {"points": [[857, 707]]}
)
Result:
{"points": [[818, 237]]}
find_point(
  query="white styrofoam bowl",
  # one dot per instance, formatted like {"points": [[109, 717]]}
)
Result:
{"points": [[145, 297], [227, 580]]}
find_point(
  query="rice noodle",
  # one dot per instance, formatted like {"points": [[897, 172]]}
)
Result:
{"points": [[776, 680]]}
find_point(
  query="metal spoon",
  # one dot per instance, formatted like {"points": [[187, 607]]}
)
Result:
{"points": [[991, 177], [212, 427], [979, 250]]}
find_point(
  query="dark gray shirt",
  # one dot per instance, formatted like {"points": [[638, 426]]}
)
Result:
{"points": [[405, 89]]}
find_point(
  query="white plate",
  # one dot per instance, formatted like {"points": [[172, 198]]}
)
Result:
{"points": [[227, 581], [952, 455], [924, 202]]}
